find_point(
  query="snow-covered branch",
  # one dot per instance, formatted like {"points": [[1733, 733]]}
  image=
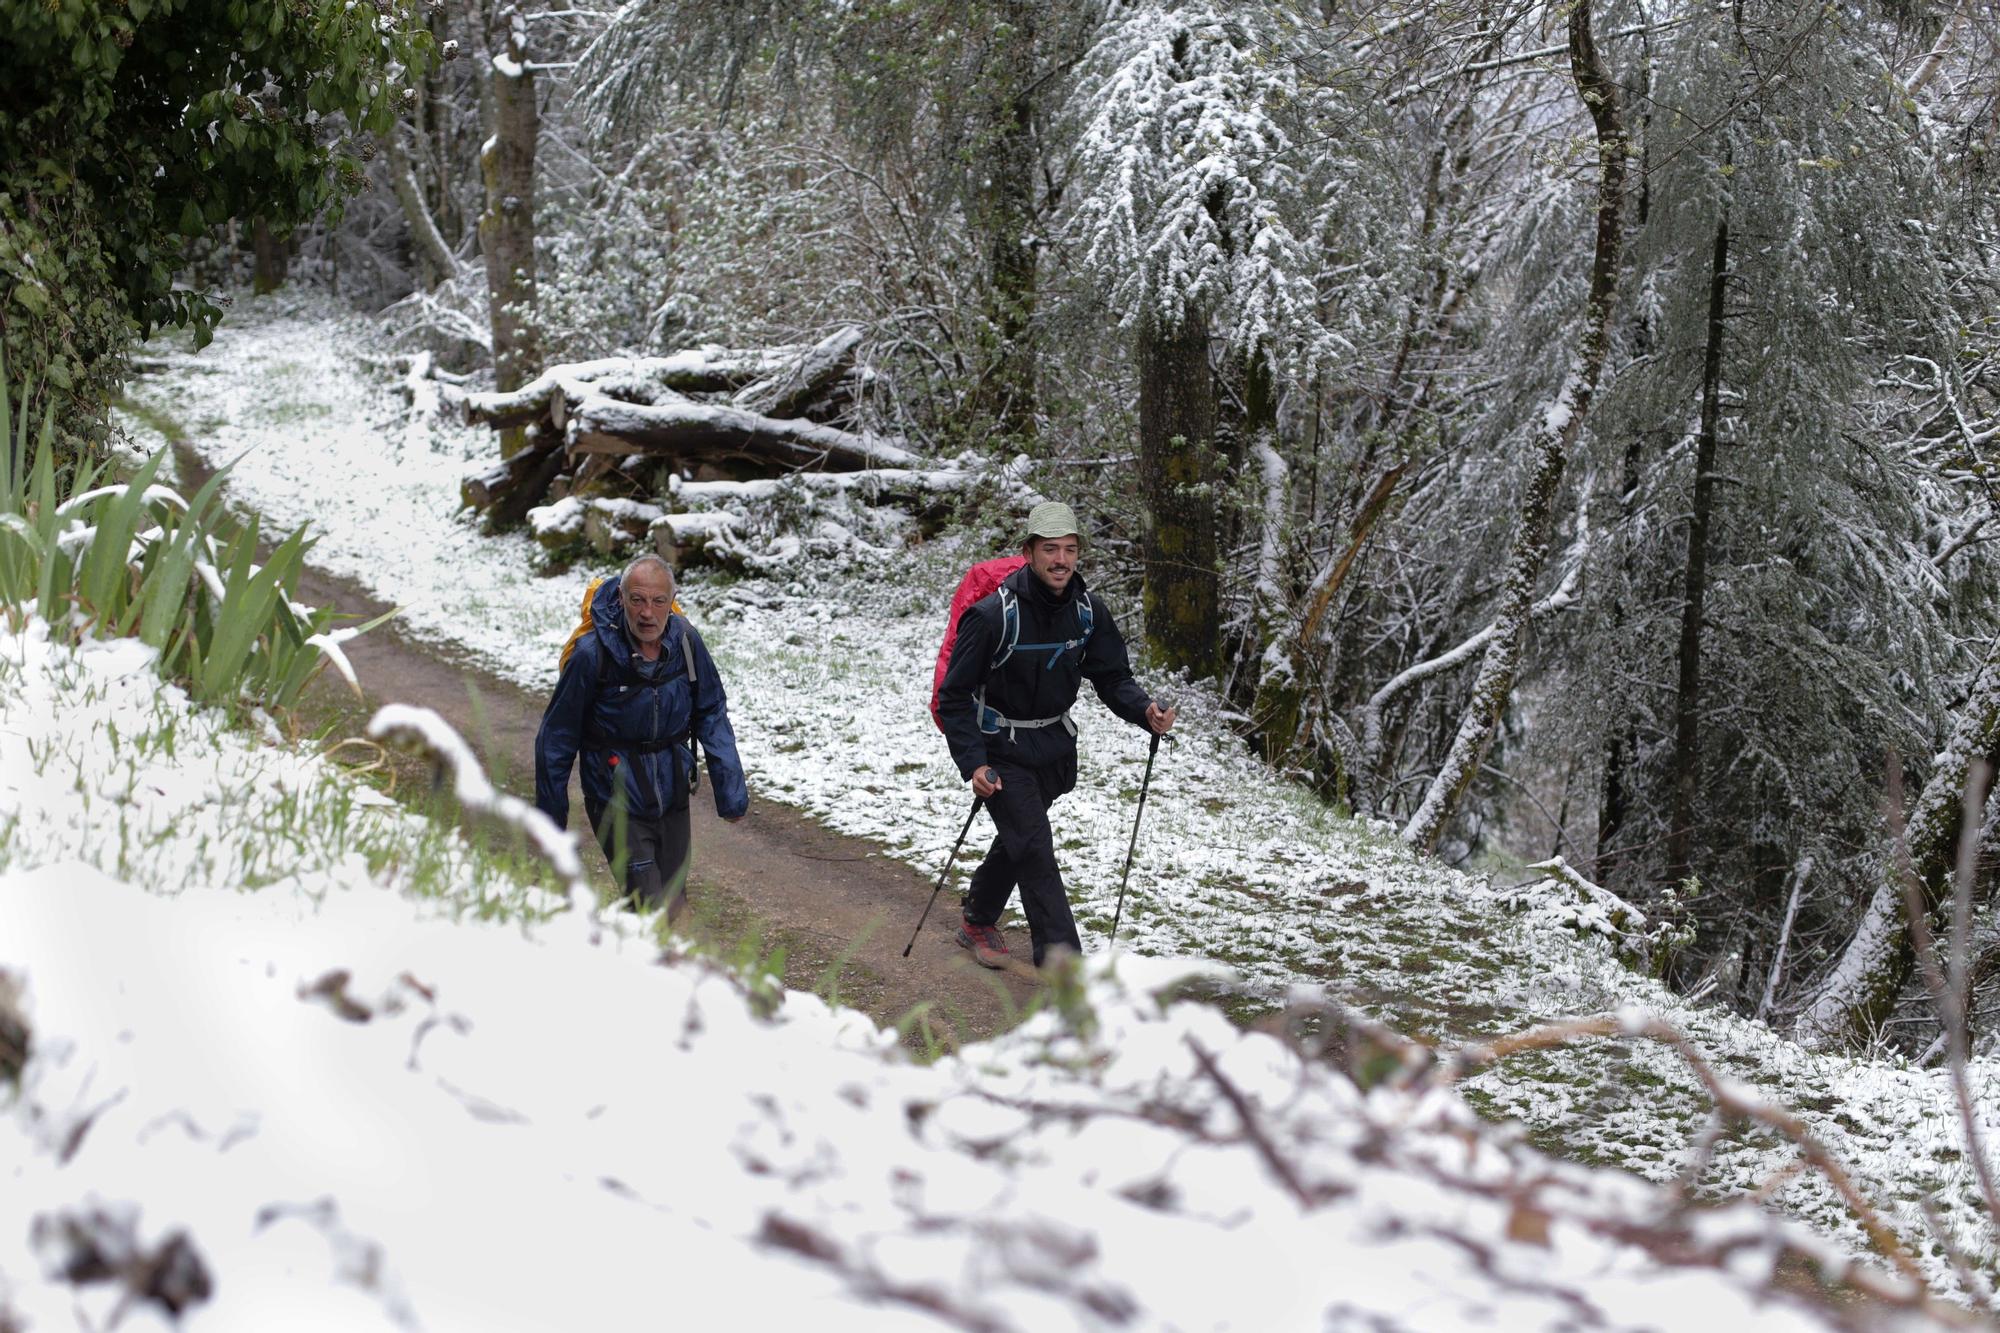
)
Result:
{"points": [[424, 732]]}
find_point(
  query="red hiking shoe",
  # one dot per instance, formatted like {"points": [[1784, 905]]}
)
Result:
{"points": [[988, 945]]}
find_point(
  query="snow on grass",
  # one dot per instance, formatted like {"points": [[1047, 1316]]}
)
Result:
{"points": [[142, 788], [329, 1104], [829, 673]]}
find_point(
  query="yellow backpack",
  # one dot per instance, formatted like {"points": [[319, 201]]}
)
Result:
{"points": [[589, 622]]}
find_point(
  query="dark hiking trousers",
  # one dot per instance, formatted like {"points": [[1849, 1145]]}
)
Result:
{"points": [[1024, 853], [655, 853]]}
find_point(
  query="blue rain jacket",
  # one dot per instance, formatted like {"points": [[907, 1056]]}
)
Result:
{"points": [[629, 719]]}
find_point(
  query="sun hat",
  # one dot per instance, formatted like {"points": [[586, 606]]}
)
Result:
{"points": [[1050, 519]]}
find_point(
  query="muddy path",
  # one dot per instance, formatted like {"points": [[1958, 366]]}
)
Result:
{"points": [[839, 907]]}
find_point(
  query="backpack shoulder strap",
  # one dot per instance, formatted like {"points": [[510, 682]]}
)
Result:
{"points": [[1010, 625], [688, 640]]}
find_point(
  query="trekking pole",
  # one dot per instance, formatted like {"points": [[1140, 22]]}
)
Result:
{"points": [[1144, 783], [977, 801]]}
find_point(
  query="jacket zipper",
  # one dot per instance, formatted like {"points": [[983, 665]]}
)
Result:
{"points": [[653, 739]]}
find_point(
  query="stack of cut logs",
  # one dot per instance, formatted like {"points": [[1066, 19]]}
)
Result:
{"points": [[712, 412]]}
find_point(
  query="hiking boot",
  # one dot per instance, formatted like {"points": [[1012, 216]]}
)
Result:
{"points": [[988, 945]]}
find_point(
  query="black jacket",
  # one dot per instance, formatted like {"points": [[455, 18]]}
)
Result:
{"points": [[1026, 685]]}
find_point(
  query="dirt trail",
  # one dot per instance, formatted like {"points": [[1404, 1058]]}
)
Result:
{"points": [[841, 907]]}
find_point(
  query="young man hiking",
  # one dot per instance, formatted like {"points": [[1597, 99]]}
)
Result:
{"points": [[636, 691], [1021, 656]]}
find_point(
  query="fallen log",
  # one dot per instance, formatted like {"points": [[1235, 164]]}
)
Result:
{"points": [[802, 384], [683, 539], [683, 429], [482, 489], [928, 494], [611, 526], [531, 402], [891, 482], [602, 522], [607, 528], [641, 379]]}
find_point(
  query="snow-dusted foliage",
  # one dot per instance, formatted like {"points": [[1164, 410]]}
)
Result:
{"points": [[830, 660], [1193, 199], [1371, 227], [1829, 638], [351, 1097]]}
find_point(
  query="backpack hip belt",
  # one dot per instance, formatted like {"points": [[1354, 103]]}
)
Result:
{"points": [[993, 724], [600, 742]]}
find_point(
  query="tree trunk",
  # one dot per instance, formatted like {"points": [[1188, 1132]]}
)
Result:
{"points": [[1280, 687], [1176, 483], [1614, 799], [1294, 656], [1862, 988], [436, 262], [1686, 764], [1003, 214], [1558, 430], [507, 227], [272, 261]]}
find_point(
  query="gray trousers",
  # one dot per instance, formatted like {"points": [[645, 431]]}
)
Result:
{"points": [[653, 852]]}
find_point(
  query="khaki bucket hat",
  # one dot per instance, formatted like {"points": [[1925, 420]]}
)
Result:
{"points": [[1050, 519]]}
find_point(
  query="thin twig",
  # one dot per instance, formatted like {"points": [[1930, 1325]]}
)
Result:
{"points": [[1253, 1131], [1948, 991], [1729, 1100]]}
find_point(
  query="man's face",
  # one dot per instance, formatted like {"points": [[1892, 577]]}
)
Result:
{"points": [[648, 595], [1054, 560]]}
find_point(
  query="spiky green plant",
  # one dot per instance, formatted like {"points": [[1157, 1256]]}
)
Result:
{"points": [[136, 558]]}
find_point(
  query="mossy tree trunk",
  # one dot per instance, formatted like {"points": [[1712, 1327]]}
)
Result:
{"points": [[1177, 408], [1002, 211]]}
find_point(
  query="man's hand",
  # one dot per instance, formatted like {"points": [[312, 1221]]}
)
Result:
{"points": [[984, 783], [1161, 720]]}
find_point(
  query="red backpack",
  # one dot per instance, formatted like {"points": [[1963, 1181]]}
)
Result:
{"points": [[978, 582]]}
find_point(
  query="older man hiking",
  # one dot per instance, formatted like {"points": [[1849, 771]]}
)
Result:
{"points": [[635, 694], [1021, 656]]}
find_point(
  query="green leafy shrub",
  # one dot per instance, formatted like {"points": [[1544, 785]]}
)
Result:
{"points": [[135, 558], [128, 129]]}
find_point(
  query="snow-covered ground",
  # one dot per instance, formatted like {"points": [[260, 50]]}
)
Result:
{"points": [[828, 668], [375, 1093]]}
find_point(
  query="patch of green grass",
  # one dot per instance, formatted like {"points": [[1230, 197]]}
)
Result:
{"points": [[153, 417], [293, 412]]}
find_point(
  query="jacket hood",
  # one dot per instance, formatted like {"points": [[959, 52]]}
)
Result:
{"points": [[607, 618]]}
